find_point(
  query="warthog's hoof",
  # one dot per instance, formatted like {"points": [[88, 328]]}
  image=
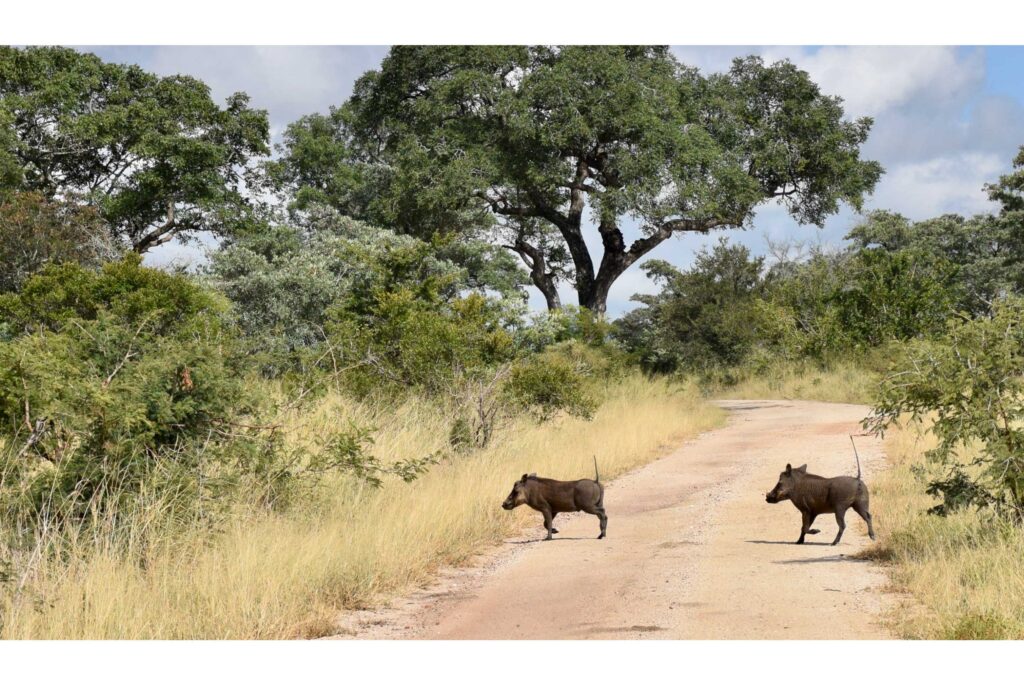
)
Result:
{"points": [[800, 541], [600, 537], [554, 531], [813, 531], [546, 538]]}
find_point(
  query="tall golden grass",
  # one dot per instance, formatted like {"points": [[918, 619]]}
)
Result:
{"points": [[963, 574], [843, 382], [273, 575]]}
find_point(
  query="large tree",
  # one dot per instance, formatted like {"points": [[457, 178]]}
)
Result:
{"points": [[156, 156], [539, 144]]}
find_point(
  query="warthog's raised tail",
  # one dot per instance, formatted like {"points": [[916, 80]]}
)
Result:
{"points": [[856, 455]]}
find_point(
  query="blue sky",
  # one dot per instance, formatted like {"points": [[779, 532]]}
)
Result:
{"points": [[947, 120]]}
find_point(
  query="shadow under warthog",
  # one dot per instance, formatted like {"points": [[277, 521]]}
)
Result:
{"points": [[560, 538], [831, 559], [821, 543]]}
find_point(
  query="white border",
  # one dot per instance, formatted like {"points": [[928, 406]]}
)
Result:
{"points": [[520, 662], [306, 22], [524, 21]]}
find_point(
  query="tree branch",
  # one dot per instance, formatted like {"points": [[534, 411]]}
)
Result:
{"points": [[543, 279], [162, 234]]}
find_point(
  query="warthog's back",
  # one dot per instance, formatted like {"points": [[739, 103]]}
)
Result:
{"points": [[820, 494], [563, 496]]}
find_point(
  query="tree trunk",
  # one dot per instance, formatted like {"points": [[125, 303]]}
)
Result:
{"points": [[550, 291]]}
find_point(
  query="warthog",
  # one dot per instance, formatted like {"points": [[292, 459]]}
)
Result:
{"points": [[550, 496], [813, 495]]}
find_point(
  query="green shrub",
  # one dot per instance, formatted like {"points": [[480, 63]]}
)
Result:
{"points": [[569, 323], [109, 377], [555, 381], [412, 339], [286, 282], [283, 282], [968, 385], [36, 231]]}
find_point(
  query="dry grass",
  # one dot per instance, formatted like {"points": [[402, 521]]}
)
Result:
{"points": [[842, 383], [964, 573], [282, 576]]}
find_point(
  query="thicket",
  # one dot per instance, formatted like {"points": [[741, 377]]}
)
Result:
{"points": [[120, 379]]}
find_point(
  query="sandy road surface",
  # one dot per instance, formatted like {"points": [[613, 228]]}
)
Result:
{"points": [[693, 551]]}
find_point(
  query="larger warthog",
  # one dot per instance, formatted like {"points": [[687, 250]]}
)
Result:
{"points": [[550, 496], [813, 495]]}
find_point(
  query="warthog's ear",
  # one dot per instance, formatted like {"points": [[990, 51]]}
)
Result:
{"points": [[789, 468], [802, 468], [525, 477], [533, 475]]}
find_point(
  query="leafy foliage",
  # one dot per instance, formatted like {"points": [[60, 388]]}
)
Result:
{"points": [[970, 382], [284, 281], [35, 231], [976, 253], [728, 309], [408, 338], [702, 317], [556, 381], [1009, 222], [111, 375], [454, 139], [155, 156], [347, 451]]}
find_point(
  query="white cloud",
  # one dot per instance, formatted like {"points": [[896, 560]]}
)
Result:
{"points": [[951, 184], [872, 80]]}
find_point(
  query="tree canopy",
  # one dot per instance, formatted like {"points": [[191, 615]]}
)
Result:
{"points": [[533, 144], [156, 156]]}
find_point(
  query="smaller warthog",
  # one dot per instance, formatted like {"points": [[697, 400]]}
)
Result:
{"points": [[550, 496], [813, 495]]}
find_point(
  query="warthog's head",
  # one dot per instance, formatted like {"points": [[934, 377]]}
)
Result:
{"points": [[787, 480], [518, 495]]}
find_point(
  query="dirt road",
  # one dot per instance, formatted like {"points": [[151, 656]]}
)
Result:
{"points": [[693, 551]]}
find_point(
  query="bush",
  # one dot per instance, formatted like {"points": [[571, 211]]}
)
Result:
{"points": [[569, 323], [970, 383], [412, 339], [285, 282], [554, 381], [107, 377], [702, 318]]}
